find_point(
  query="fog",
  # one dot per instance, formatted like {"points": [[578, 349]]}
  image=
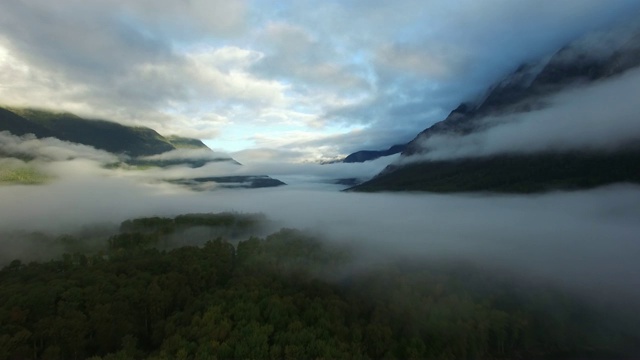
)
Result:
{"points": [[79, 165], [182, 154], [584, 240], [49, 149], [601, 116]]}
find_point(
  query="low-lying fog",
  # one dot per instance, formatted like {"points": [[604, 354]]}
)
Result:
{"points": [[587, 240]]}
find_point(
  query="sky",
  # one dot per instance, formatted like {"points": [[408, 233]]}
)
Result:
{"points": [[296, 79]]}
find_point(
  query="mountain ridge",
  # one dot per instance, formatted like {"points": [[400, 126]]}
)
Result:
{"points": [[523, 91], [101, 134], [142, 147]]}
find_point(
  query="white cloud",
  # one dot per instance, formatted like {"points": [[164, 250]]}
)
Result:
{"points": [[601, 116], [182, 154], [304, 65], [50, 149], [431, 63]]}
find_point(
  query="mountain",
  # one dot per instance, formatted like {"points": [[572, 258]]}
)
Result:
{"points": [[101, 134], [180, 142], [531, 88], [17, 125], [229, 182], [367, 155], [142, 146]]}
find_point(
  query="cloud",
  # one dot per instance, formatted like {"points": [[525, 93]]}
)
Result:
{"points": [[186, 154], [293, 53], [585, 241], [312, 146], [285, 67], [50, 149], [307, 173], [459, 52], [601, 116], [434, 63]]}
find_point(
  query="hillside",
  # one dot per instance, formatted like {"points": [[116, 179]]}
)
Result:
{"points": [[140, 144], [101, 134], [180, 142], [144, 148], [451, 155]]}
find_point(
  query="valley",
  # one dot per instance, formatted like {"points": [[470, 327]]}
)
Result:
{"points": [[287, 180]]}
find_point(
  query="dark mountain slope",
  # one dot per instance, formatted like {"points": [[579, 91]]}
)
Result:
{"points": [[101, 134], [19, 126], [139, 143], [512, 173], [523, 91]]}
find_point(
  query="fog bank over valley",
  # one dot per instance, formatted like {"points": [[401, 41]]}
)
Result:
{"points": [[586, 240]]}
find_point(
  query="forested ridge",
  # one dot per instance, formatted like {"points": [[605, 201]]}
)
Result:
{"points": [[286, 295]]}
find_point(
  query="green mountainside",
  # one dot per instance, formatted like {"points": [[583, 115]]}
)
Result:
{"points": [[101, 134], [17, 125], [180, 142], [140, 144]]}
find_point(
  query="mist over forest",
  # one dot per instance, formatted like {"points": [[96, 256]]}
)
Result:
{"points": [[585, 239], [298, 180], [579, 246], [565, 261]]}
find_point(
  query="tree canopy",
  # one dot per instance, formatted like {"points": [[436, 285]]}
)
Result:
{"points": [[287, 295]]}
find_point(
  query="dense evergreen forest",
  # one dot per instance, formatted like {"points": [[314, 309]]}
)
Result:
{"points": [[290, 295]]}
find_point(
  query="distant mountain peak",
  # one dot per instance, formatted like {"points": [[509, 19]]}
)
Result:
{"points": [[525, 90]]}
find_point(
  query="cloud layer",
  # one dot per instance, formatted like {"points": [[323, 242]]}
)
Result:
{"points": [[602, 116], [348, 75]]}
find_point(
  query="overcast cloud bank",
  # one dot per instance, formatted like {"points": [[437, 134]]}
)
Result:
{"points": [[293, 74]]}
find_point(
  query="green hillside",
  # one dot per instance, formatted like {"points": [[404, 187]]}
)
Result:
{"points": [[23, 175], [101, 134], [180, 142], [139, 143], [17, 125]]}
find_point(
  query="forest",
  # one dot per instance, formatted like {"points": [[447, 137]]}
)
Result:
{"points": [[212, 286]]}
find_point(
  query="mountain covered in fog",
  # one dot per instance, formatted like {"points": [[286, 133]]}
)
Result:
{"points": [[568, 121], [40, 135], [104, 135]]}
